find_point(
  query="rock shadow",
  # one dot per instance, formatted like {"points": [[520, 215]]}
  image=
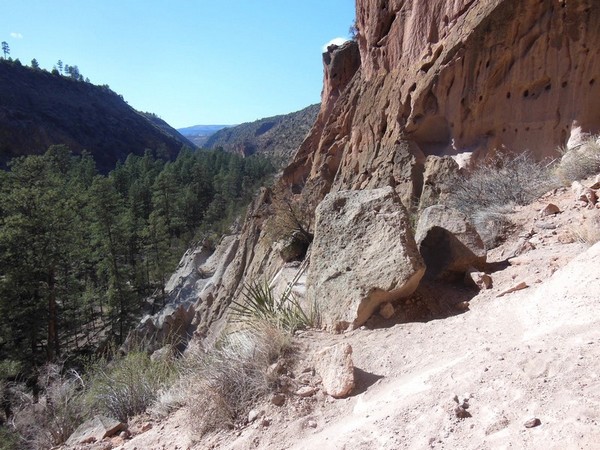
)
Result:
{"points": [[432, 300], [496, 266], [363, 380]]}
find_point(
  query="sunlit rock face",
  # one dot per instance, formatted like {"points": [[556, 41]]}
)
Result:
{"points": [[448, 77]]}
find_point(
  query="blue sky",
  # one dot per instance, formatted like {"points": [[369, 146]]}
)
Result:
{"points": [[189, 61]]}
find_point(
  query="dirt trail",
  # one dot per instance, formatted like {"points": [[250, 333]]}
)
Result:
{"points": [[533, 353]]}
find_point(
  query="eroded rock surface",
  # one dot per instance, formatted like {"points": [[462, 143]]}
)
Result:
{"points": [[363, 255], [448, 242], [336, 369]]}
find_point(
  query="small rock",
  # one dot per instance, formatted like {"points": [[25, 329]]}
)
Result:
{"points": [[265, 422], [306, 391], [549, 210], [124, 434], [336, 369], [254, 414], [147, 426], [461, 412], [311, 424], [386, 310], [545, 225], [278, 399], [517, 287], [534, 422], [480, 279]]}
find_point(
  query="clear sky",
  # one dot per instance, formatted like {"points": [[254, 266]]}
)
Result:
{"points": [[189, 61]]}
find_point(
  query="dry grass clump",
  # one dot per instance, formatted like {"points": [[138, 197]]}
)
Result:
{"points": [[223, 384], [52, 419], [587, 232], [580, 162]]}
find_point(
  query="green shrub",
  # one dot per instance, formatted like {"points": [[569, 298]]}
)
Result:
{"points": [[9, 439], [128, 386], [260, 304]]}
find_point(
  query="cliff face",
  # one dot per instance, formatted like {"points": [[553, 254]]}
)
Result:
{"points": [[444, 77]]}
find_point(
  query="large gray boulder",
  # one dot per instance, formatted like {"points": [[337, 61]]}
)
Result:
{"points": [[449, 243], [363, 255]]}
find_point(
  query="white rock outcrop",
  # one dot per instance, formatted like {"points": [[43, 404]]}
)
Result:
{"points": [[363, 255]]}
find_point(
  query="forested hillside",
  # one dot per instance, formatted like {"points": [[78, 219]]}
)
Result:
{"points": [[80, 252], [277, 136], [39, 109]]}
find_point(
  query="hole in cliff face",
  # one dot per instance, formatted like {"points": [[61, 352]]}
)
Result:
{"points": [[564, 84], [526, 93], [508, 95], [592, 81], [433, 135]]}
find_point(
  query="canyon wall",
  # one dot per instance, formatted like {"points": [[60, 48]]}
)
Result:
{"points": [[434, 78], [445, 77]]}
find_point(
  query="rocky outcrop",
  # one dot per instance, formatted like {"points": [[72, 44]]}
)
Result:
{"points": [[94, 430], [362, 256], [460, 78], [449, 243], [448, 77]]}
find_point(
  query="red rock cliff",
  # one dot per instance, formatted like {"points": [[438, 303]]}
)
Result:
{"points": [[444, 77]]}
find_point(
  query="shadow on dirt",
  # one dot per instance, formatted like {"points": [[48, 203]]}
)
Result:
{"points": [[433, 300], [363, 381]]}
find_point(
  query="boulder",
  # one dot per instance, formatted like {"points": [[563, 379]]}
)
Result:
{"points": [[363, 255], [440, 172], [95, 430], [448, 243], [336, 369]]}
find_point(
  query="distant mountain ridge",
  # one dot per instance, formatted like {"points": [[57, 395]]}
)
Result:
{"points": [[199, 134], [278, 136], [39, 109]]}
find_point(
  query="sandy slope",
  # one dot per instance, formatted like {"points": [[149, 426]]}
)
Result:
{"points": [[534, 353]]}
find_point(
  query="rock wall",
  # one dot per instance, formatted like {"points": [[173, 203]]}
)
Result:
{"points": [[432, 79], [446, 77]]}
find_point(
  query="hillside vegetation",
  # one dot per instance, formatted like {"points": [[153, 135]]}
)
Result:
{"points": [[277, 136], [81, 252], [39, 109]]}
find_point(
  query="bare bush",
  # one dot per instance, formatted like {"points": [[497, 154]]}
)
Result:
{"points": [[580, 162], [502, 181], [290, 223], [57, 414]]}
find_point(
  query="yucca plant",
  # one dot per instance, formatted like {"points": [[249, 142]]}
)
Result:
{"points": [[259, 303]]}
